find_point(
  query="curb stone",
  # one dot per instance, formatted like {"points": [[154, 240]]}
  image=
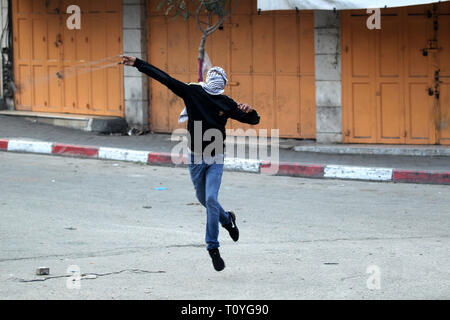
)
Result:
{"points": [[231, 164]]}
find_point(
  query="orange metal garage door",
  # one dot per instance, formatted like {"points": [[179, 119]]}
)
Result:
{"points": [[269, 59], [443, 62], [70, 71], [396, 80]]}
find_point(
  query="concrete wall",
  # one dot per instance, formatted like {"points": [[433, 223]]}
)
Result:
{"points": [[3, 22], [135, 83], [328, 77]]}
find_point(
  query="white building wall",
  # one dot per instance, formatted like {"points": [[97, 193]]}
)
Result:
{"points": [[328, 77], [3, 24], [135, 83]]}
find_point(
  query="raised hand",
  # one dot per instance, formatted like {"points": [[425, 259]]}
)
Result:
{"points": [[245, 107], [128, 60]]}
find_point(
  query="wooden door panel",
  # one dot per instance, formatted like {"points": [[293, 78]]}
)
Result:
{"points": [[286, 44], [444, 75], [40, 91], [69, 87], [263, 93], [218, 48], [362, 112], [25, 87], [98, 46], [389, 49], [360, 49], [263, 45], [23, 39], [178, 45], [54, 90], [308, 107], [99, 89], [269, 60], [195, 36], [419, 106], [420, 114], [158, 42], [391, 114], [159, 120], [114, 76], [63, 64], [443, 36], [444, 123], [287, 105], [23, 6], [159, 113], [39, 57], [358, 78], [22, 52], [417, 33], [54, 38], [39, 39], [83, 79], [399, 83], [389, 81], [244, 7], [307, 43], [241, 45], [241, 91]]}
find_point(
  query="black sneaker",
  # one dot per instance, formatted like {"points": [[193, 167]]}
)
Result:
{"points": [[217, 261], [232, 227]]}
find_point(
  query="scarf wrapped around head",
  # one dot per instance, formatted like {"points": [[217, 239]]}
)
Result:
{"points": [[216, 80]]}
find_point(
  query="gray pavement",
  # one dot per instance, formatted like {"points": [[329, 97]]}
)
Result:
{"points": [[300, 238], [11, 127]]}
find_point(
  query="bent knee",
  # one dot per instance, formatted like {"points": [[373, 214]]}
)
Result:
{"points": [[211, 201]]}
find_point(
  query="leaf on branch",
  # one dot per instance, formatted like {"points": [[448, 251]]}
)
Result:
{"points": [[178, 6], [161, 5], [169, 9]]}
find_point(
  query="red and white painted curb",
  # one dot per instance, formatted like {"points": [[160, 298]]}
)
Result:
{"points": [[231, 164]]}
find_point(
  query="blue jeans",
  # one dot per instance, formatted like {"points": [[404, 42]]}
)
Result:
{"points": [[207, 178]]}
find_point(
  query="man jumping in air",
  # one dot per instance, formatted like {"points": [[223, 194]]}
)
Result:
{"points": [[206, 108]]}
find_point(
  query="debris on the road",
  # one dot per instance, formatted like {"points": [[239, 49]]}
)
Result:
{"points": [[90, 276], [136, 132], [43, 271], [71, 228], [147, 207], [331, 263], [193, 204], [161, 189]]}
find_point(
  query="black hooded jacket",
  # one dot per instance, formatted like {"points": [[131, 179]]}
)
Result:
{"points": [[212, 110]]}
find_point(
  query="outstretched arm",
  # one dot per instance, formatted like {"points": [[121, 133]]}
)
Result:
{"points": [[177, 87]]}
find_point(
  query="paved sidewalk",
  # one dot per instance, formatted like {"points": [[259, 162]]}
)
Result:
{"points": [[373, 163]]}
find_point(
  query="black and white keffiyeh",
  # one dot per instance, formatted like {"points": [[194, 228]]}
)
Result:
{"points": [[216, 80]]}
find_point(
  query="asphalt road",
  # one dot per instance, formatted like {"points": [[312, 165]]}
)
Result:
{"points": [[130, 239]]}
